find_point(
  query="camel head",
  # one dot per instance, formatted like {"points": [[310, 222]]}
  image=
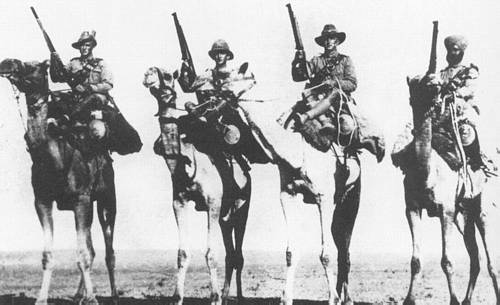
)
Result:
{"points": [[28, 77], [157, 78], [161, 84], [423, 91]]}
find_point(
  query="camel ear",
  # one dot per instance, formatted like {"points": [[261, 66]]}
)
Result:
{"points": [[408, 80], [176, 74], [243, 68]]}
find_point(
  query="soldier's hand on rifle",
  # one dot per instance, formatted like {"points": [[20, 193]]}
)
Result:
{"points": [[299, 55]]}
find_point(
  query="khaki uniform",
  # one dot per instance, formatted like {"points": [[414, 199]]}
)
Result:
{"points": [[338, 70], [99, 80]]}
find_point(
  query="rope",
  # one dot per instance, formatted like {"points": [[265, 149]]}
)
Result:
{"points": [[464, 172], [343, 100], [17, 94]]}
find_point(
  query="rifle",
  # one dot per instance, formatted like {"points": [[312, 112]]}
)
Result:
{"points": [[185, 54], [57, 70], [433, 59], [299, 63]]}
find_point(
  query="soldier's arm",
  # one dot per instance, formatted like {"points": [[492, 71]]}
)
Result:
{"points": [[349, 82], [106, 82], [299, 67], [467, 90], [186, 78], [58, 71]]}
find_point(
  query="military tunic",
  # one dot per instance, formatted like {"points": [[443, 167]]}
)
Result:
{"points": [[334, 67], [99, 79]]}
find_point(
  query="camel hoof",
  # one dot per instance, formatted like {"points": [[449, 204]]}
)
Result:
{"points": [[454, 302], [77, 298], [88, 301], [334, 301], [41, 302], [466, 302], [176, 300], [410, 301], [285, 301], [241, 300], [215, 298], [347, 302]]}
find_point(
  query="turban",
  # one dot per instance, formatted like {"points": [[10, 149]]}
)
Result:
{"points": [[455, 41]]}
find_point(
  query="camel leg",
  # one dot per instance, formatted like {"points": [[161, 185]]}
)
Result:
{"points": [[44, 212], [106, 211], [489, 238], [344, 218], [292, 253], [447, 230], [227, 236], [472, 248], [414, 217], [83, 221], [234, 248], [181, 214], [212, 217], [239, 234], [326, 218]]}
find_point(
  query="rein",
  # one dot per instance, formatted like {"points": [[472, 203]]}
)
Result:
{"points": [[465, 176], [17, 95]]}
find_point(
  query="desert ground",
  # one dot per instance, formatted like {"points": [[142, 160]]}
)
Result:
{"points": [[147, 277]]}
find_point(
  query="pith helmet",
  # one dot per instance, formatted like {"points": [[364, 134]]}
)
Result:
{"points": [[455, 41], [220, 45], [85, 37], [329, 30]]}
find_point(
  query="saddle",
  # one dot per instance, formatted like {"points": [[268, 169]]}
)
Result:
{"points": [[338, 117], [121, 137]]}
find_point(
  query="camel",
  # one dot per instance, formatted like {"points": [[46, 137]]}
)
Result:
{"points": [[200, 173], [431, 184], [331, 180], [74, 179]]}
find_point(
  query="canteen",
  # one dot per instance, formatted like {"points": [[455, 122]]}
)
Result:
{"points": [[467, 134], [231, 134], [346, 124], [97, 129]]}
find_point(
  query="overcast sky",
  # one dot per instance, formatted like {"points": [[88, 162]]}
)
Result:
{"points": [[387, 40]]}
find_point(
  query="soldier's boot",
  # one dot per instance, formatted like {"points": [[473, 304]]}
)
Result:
{"points": [[371, 144]]}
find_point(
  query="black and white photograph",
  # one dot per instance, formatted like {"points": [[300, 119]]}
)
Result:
{"points": [[249, 152]]}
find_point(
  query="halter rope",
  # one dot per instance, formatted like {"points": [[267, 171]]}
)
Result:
{"points": [[17, 94]]}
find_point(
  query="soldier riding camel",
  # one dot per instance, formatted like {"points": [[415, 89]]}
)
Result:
{"points": [[91, 80], [335, 70], [458, 83]]}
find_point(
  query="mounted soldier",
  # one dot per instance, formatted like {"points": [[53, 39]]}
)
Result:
{"points": [[458, 84], [218, 91], [327, 73], [91, 80]]}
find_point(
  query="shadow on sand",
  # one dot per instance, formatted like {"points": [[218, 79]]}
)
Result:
{"points": [[22, 300]]}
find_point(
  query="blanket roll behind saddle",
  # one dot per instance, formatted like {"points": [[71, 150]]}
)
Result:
{"points": [[123, 138]]}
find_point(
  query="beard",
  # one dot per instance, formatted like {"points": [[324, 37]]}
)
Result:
{"points": [[453, 59]]}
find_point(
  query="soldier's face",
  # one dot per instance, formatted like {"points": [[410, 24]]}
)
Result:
{"points": [[86, 48], [331, 43], [220, 58], [454, 56]]}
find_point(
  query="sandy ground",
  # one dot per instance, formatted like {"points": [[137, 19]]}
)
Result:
{"points": [[147, 277]]}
